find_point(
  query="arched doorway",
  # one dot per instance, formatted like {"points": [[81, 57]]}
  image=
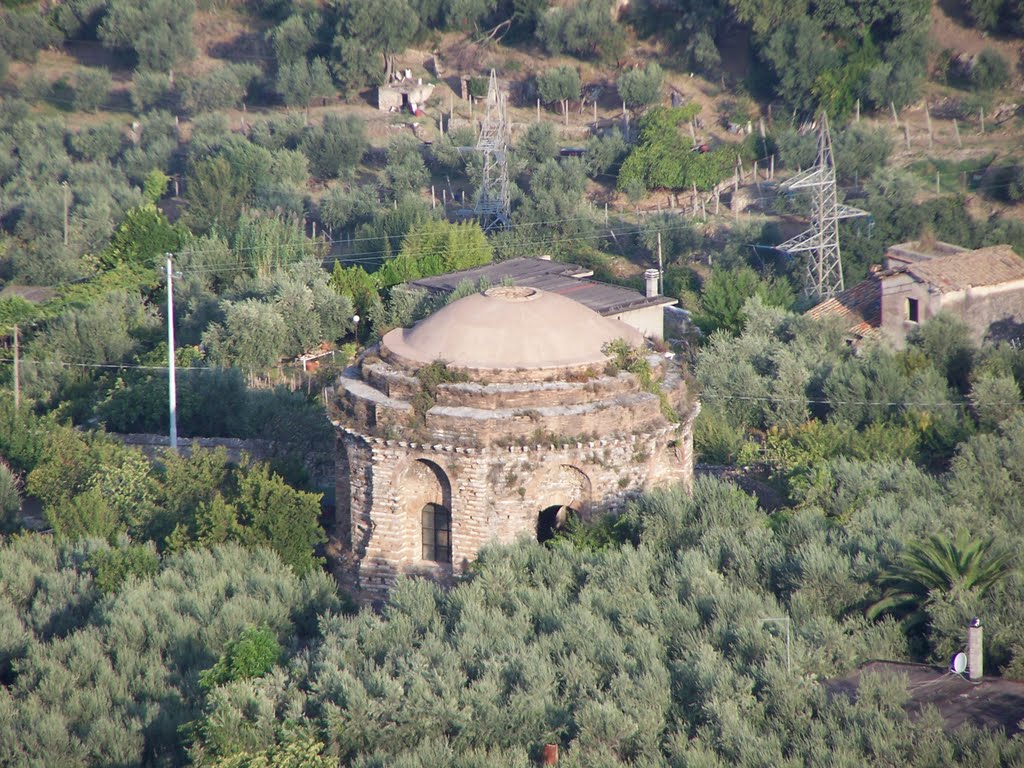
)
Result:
{"points": [[553, 520], [565, 492]]}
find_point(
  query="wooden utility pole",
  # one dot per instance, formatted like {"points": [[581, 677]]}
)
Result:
{"points": [[17, 372], [956, 130]]}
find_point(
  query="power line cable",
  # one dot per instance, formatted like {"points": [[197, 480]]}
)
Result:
{"points": [[702, 395]]}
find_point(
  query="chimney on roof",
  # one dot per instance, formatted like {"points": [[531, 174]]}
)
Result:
{"points": [[975, 664], [651, 278]]}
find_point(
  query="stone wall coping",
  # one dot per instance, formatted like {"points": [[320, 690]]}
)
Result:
{"points": [[381, 367], [491, 450], [545, 411], [362, 390]]}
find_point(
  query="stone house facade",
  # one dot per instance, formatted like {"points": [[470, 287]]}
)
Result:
{"points": [[529, 422], [982, 287]]}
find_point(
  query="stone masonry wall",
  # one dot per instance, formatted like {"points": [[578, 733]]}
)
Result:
{"points": [[496, 494]]}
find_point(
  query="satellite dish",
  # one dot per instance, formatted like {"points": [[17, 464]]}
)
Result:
{"points": [[958, 664]]}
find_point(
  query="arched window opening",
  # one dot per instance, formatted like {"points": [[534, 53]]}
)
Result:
{"points": [[552, 521], [437, 533]]}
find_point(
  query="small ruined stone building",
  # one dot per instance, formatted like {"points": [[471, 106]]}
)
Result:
{"points": [[982, 287], [501, 415]]}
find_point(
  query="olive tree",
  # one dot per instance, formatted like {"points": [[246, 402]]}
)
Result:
{"points": [[641, 87], [157, 32], [559, 84], [91, 89]]}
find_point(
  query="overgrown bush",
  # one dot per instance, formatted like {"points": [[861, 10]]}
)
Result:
{"points": [[989, 71]]}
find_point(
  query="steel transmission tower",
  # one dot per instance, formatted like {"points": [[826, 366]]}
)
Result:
{"points": [[821, 241], [492, 201]]}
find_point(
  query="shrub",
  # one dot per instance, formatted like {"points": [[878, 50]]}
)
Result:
{"points": [[989, 71], [10, 498], [641, 87], [253, 654], [91, 89], [223, 88], [539, 143], [559, 84], [96, 143], [149, 90], [334, 148]]}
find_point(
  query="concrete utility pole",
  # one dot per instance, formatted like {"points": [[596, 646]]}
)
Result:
{"points": [[67, 209], [17, 372], [172, 390], [661, 271]]}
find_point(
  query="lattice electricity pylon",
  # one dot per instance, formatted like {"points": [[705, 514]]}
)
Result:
{"points": [[821, 241], [493, 205]]}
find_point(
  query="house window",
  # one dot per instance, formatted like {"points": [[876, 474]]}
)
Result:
{"points": [[437, 533], [912, 311]]}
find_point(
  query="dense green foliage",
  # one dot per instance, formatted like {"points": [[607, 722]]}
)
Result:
{"points": [[560, 84], [253, 654], [665, 158], [436, 247], [640, 644], [641, 87], [157, 32], [177, 611], [92, 677]]}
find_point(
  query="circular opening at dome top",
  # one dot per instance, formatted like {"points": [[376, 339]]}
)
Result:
{"points": [[512, 293]]}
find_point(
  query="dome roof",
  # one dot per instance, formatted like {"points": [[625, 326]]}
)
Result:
{"points": [[511, 328]]}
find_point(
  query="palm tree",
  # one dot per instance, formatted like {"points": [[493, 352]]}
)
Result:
{"points": [[939, 565]]}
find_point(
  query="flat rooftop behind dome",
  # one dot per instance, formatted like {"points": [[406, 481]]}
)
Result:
{"points": [[992, 703], [919, 250], [994, 265], [569, 280]]}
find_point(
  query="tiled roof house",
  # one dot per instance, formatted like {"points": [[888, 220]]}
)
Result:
{"points": [[983, 287]]}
